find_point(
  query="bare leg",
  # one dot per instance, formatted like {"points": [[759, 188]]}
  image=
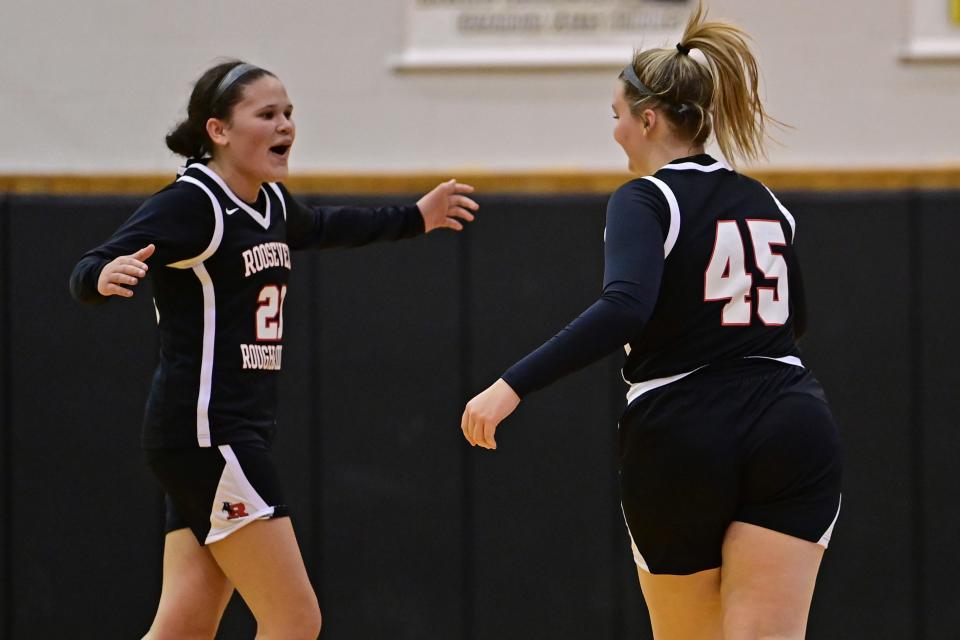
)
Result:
{"points": [[767, 586], [263, 562], [683, 607], [195, 592]]}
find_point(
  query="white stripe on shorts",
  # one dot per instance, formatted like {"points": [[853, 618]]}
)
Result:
{"points": [[825, 538], [234, 491], [637, 557]]}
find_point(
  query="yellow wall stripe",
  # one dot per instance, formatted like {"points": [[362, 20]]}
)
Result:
{"points": [[526, 182]]}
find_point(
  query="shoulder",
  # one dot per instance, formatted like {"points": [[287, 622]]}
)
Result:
{"points": [[178, 196], [641, 192], [178, 204]]}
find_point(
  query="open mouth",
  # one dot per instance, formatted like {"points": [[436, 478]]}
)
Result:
{"points": [[280, 149]]}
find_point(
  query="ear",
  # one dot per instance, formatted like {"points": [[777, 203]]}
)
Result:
{"points": [[649, 118], [217, 130]]}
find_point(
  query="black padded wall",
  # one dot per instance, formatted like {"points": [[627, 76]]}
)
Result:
{"points": [[84, 516], [389, 459], [6, 592], [542, 503], [855, 251], [938, 406], [407, 532]]}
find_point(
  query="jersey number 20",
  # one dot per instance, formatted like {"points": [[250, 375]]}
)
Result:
{"points": [[727, 278], [270, 312]]}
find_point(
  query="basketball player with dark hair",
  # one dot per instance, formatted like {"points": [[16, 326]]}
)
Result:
{"points": [[730, 466], [217, 245]]}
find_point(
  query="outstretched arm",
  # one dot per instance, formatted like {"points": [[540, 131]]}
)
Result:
{"points": [[633, 267], [445, 206]]}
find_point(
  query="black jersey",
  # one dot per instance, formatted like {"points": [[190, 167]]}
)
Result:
{"points": [[699, 269], [219, 276], [725, 288]]}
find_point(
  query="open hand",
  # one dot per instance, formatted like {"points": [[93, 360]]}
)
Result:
{"points": [[125, 270], [487, 410], [441, 207]]}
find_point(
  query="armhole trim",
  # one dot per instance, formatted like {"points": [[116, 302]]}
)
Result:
{"points": [[283, 203], [217, 228], [786, 214], [674, 229]]}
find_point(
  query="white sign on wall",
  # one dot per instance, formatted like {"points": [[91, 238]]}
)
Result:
{"points": [[536, 33], [934, 30]]}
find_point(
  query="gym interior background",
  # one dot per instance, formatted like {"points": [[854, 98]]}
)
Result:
{"points": [[407, 531]]}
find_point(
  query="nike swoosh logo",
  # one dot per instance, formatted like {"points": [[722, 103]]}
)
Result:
{"points": [[232, 211]]}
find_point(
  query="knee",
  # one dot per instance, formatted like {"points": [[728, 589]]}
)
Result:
{"points": [[181, 632], [312, 624], [761, 635], [308, 623], [303, 625]]}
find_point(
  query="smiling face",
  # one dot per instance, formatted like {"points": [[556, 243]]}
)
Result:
{"points": [[255, 141]]}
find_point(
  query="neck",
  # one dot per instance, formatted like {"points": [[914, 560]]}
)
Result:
{"points": [[667, 151], [244, 186]]}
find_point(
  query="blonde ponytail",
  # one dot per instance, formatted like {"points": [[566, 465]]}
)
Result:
{"points": [[720, 96]]}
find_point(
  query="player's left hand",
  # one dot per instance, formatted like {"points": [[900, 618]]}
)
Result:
{"points": [[442, 207], [487, 410]]}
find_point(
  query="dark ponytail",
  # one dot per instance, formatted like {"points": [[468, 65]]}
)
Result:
{"points": [[210, 100]]}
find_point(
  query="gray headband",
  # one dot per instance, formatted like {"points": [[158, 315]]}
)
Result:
{"points": [[631, 76], [231, 78]]}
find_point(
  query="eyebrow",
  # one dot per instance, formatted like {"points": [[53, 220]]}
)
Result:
{"points": [[274, 106]]}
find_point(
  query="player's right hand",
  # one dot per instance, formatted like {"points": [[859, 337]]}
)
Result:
{"points": [[125, 270]]}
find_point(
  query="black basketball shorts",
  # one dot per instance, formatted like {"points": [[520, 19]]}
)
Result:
{"points": [[753, 442], [216, 490]]}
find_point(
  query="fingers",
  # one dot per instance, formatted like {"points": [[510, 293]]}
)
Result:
{"points": [[465, 427], [482, 434], [453, 186], [125, 270], [465, 202], [126, 273], [111, 289], [144, 253], [488, 439], [478, 432], [137, 269], [460, 212]]}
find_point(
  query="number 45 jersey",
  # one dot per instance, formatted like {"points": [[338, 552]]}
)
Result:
{"points": [[220, 277], [731, 285]]}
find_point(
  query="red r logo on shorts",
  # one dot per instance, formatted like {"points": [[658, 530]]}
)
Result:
{"points": [[237, 510]]}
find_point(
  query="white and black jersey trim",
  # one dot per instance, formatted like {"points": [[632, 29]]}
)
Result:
{"points": [[674, 229], [209, 313], [693, 166], [786, 214], [283, 203], [263, 219], [217, 227], [206, 362], [637, 389]]}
